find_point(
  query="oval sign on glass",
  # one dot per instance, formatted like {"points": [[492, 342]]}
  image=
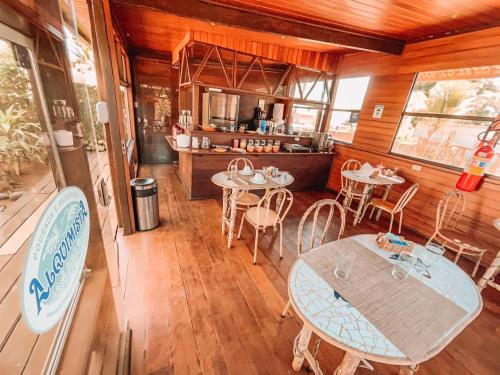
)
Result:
{"points": [[55, 260]]}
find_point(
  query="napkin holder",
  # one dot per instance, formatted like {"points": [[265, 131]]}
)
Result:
{"points": [[391, 242]]}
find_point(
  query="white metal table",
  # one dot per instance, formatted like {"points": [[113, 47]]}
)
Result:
{"points": [[368, 184], [230, 190], [324, 312]]}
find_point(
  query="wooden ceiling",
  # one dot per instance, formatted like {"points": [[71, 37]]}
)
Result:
{"points": [[148, 29], [337, 27], [410, 20]]}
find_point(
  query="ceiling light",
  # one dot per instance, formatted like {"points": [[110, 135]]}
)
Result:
{"points": [[212, 23]]}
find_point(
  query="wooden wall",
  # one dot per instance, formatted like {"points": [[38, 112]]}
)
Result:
{"points": [[313, 59], [392, 78]]}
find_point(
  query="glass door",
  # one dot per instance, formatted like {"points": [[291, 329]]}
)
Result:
{"points": [[30, 175]]}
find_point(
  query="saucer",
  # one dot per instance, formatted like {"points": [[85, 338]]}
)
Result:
{"points": [[245, 174], [253, 181]]}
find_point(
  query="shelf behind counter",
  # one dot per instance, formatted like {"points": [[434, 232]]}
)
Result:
{"points": [[197, 166]]}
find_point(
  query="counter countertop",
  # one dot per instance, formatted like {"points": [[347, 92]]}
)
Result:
{"points": [[200, 151], [246, 135]]}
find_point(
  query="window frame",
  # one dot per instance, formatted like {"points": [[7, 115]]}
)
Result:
{"points": [[321, 108], [331, 109], [433, 115]]}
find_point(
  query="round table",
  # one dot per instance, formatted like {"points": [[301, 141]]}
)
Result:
{"points": [[231, 189], [368, 184], [339, 323]]}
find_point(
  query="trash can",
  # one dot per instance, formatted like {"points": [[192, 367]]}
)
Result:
{"points": [[145, 196]]}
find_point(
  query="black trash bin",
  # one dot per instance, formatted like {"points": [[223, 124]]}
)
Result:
{"points": [[145, 196]]}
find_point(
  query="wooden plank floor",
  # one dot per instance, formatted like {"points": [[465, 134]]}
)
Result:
{"points": [[196, 307]]}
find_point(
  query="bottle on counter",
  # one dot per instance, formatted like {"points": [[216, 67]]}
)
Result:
{"points": [[205, 143], [195, 142]]}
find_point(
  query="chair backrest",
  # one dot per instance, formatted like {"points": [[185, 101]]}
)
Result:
{"points": [[331, 205], [349, 165], [243, 162], [406, 197], [283, 199], [450, 210]]}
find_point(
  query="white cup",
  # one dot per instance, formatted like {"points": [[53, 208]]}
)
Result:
{"points": [[64, 138], [247, 169]]}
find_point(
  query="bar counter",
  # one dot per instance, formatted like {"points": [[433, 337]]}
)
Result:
{"points": [[197, 166]]}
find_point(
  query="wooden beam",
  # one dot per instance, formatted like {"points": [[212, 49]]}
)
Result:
{"points": [[268, 87], [235, 68], [314, 84], [252, 20], [223, 66], [202, 64], [297, 79], [283, 77], [250, 66], [109, 67], [180, 46], [186, 62]]}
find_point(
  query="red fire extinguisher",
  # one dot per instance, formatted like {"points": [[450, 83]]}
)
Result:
{"points": [[474, 171]]}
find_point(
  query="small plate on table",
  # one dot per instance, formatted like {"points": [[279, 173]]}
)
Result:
{"points": [[253, 181], [243, 173]]}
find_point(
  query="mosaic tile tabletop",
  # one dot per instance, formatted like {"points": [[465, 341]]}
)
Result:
{"points": [[329, 313]]}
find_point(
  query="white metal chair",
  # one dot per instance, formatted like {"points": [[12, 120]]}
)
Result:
{"points": [[356, 191], [245, 199], [316, 207], [449, 213], [393, 208], [262, 216], [488, 278]]}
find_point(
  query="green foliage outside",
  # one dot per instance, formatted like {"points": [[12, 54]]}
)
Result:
{"points": [[20, 130], [478, 97]]}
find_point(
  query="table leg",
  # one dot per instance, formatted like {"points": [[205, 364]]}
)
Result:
{"points": [[232, 216], [357, 217], [223, 219], [349, 365], [300, 346], [408, 370]]}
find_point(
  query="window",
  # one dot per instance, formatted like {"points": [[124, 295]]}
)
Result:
{"points": [[446, 112], [25, 170], [347, 104], [85, 88], [126, 117], [29, 171], [305, 118]]}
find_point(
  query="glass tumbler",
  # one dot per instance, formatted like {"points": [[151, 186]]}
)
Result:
{"points": [[233, 172], [431, 252], [344, 264], [403, 266]]}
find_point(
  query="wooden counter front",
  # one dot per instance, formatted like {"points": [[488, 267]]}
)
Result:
{"points": [[196, 167]]}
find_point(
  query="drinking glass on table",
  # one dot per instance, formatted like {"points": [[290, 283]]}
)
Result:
{"points": [[344, 263], [403, 266], [431, 252], [233, 172]]}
